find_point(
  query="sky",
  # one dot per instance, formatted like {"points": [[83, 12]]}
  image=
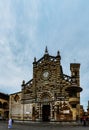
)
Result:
{"points": [[28, 26]]}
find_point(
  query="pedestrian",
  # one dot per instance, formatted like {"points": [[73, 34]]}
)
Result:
{"points": [[10, 123], [84, 121]]}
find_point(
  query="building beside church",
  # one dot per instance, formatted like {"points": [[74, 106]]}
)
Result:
{"points": [[4, 106], [50, 95], [88, 109]]}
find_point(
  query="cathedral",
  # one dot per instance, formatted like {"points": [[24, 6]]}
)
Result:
{"points": [[50, 95]]}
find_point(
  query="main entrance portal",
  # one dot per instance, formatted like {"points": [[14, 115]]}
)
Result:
{"points": [[46, 112]]}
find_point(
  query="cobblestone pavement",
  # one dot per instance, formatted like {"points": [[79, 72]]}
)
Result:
{"points": [[41, 126]]}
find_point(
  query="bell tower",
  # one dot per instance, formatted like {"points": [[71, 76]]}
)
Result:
{"points": [[75, 72]]}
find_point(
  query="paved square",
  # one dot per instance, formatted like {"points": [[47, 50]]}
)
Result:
{"points": [[41, 126]]}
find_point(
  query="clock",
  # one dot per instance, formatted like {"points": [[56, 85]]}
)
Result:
{"points": [[45, 74]]}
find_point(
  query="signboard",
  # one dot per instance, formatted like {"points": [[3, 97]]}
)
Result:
{"points": [[66, 111]]}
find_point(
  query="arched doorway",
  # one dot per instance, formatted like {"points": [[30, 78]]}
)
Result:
{"points": [[46, 113], [45, 99]]}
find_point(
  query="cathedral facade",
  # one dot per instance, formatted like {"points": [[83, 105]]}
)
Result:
{"points": [[50, 95]]}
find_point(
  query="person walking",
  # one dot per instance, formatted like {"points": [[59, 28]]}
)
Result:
{"points": [[84, 121], [10, 123]]}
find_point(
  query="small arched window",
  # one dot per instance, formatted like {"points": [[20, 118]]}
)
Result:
{"points": [[16, 98]]}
